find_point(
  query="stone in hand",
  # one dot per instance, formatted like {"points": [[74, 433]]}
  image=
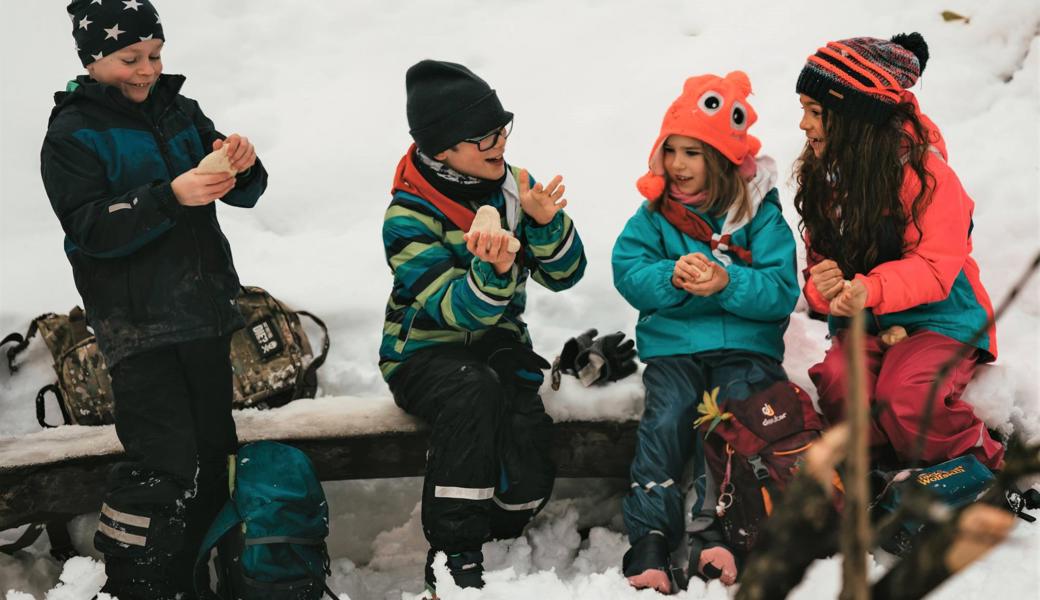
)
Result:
{"points": [[217, 162], [488, 220]]}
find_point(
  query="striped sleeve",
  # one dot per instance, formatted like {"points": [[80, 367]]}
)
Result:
{"points": [[424, 270], [555, 252]]}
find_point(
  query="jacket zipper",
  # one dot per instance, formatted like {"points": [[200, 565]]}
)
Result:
{"points": [[157, 133]]}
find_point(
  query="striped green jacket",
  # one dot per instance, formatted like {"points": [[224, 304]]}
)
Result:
{"points": [[442, 294]]}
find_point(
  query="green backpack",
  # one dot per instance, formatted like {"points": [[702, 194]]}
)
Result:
{"points": [[270, 535]]}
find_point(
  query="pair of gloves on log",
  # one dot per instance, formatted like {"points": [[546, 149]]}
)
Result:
{"points": [[595, 360]]}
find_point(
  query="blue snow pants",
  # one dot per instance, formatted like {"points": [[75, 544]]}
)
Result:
{"points": [[666, 439]]}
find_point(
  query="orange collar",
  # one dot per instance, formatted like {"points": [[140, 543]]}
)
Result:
{"points": [[408, 179]]}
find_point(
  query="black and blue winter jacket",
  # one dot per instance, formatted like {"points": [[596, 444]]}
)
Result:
{"points": [[151, 271]]}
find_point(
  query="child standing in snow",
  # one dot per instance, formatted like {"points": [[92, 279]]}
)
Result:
{"points": [[456, 351], [158, 283], [709, 262], [887, 228]]}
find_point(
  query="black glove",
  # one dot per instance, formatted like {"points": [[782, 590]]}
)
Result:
{"points": [[1019, 502], [596, 360]]}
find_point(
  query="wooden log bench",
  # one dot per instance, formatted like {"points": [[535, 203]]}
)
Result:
{"points": [[59, 473]]}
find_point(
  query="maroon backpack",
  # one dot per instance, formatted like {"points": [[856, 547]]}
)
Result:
{"points": [[753, 448]]}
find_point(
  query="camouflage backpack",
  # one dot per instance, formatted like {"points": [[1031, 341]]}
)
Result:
{"points": [[271, 359]]}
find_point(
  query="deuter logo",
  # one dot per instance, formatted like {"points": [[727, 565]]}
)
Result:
{"points": [[771, 416]]}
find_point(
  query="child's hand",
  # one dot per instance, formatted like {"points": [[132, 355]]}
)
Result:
{"points": [[491, 247], [240, 151], [827, 278], [541, 204], [701, 276], [893, 335], [685, 273], [199, 189], [851, 300]]}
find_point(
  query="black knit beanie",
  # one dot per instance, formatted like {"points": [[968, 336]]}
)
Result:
{"points": [[101, 27], [863, 78], [448, 103]]}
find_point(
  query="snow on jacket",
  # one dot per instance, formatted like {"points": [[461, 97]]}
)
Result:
{"points": [[750, 313], [443, 294], [935, 286], [150, 271]]}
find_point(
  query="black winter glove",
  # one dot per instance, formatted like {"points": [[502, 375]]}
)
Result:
{"points": [[596, 360]]}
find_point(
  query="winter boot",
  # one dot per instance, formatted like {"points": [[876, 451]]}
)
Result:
{"points": [[646, 564], [466, 568], [142, 578]]}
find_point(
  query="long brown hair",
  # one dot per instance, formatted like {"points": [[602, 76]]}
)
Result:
{"points": [[725, 186], [849, 198]]}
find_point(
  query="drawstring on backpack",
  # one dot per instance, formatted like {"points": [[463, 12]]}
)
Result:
{"points": [[727, 489]]}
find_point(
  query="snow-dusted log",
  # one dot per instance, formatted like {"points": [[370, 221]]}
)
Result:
{"points": [[62, 472]]}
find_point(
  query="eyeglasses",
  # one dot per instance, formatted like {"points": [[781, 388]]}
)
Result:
{"points": [[489, 140]]}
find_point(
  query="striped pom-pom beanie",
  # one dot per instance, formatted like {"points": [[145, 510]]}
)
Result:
{"points": [[863, 78]]}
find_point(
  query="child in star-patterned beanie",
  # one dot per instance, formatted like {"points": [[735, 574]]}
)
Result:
{"points": [[154, 270], [101, 27]]}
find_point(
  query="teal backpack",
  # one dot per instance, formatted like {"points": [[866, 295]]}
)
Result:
{"points": [[954, 483], [270, 535]]}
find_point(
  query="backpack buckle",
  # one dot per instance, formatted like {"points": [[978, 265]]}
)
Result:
{"points": [[759, 467]]}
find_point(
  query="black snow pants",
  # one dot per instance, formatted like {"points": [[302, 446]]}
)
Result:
{"points": [[488, 469], [173, 417]]}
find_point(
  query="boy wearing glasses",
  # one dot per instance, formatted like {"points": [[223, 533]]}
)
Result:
{"points": [[455, 350]]}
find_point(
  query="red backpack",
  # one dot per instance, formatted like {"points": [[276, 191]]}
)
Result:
{"points": [[753, 448]]}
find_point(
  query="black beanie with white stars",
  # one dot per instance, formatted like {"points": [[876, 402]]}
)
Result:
{"points": [[101, 27]]}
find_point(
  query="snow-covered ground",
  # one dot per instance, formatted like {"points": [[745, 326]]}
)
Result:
{"points": [[319, 88]]}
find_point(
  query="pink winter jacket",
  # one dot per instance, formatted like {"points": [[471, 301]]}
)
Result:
{"points": [[935, 285]]}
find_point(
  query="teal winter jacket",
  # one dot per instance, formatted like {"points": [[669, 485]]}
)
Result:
{"points": [[750, 313]]}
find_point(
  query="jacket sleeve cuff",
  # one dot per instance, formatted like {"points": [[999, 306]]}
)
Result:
{"points": [[671, 294], [489, 281], [873, 285], [735, 288], [549, 233], [166, 199], [815, 299]]}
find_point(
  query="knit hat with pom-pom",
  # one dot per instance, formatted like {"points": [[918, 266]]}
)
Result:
{"points": [[864, 78], [713, 110]]}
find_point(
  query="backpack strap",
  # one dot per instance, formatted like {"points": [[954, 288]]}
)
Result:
{"points": [[21, 342], [41, 406], [289, 540], [226, 520], [28, 537], [58, 533], [309, 373], [770, 494], [62, 548]]}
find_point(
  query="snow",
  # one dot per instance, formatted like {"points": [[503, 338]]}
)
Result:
{"points": [[319, 88]]}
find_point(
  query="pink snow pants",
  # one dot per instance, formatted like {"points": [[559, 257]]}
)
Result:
{"points": [[899, 378]]}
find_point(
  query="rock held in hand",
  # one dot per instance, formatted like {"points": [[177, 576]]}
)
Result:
{"points": [[488, 220], [217, 162]]}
